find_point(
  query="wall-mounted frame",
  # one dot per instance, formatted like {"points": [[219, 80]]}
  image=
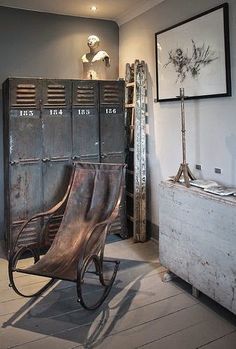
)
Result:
{"points": [[195, 54]]}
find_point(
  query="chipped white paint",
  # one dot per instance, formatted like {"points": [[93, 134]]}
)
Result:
{"points": [[11, 144], [198, 240]]}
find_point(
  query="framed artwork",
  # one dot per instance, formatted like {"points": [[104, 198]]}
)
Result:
{"points": [[194, 54]]}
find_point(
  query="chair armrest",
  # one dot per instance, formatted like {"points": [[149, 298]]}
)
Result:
{"points": [[36, 216]]}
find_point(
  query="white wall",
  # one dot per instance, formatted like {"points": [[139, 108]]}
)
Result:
{"points": [[210, 123]]}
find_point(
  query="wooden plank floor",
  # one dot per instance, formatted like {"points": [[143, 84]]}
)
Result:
{"points": [[141, 311]]}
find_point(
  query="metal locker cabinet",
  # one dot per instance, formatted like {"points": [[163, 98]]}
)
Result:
{"points": [[57, 146], [85, 121], [22, 156], [112, 124], [46, 123]]}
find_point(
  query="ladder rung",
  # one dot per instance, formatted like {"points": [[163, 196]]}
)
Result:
{"points": [[129, 105], [130, 84], [131, 149], [129, 194], [130, 172], [130, 218]]}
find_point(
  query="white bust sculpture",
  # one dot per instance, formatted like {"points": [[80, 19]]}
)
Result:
{"points": [[95, 62]]}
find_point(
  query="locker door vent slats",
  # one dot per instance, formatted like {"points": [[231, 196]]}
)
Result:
{"points": [[111, 94], [85, 95], [56, 95], [30, 237], [25, 95]]}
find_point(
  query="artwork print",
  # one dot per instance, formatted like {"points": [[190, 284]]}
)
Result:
{"points": [[194, 55]]}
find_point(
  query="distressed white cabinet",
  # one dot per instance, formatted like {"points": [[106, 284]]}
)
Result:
{"points": [[198, 240]]}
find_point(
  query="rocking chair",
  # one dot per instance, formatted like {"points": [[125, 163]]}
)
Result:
{"points": [[92, 204]]}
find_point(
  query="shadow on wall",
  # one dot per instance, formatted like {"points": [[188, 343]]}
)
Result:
{"points": [[1, 171], [230, 142]]}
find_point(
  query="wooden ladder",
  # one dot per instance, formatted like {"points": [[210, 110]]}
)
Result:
{"points": [[135, 98]]}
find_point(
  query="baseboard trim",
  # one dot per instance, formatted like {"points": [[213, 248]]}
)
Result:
{"points": [[152, 231]]}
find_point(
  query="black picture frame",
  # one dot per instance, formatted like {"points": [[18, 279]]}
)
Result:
{"points": [[195, 55]]}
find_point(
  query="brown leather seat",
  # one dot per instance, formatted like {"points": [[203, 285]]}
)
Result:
{"points": [[93, 199]]}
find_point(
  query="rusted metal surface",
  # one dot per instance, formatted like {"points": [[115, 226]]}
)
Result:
{"points": [[56, 175], [85, 119], [25, 137], [93, 199], [56, 144], [25, 201], [112, 124], [113, 136], [22, 153], [56, 119]]}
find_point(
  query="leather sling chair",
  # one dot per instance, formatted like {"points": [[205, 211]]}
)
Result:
{"points": [[92, 203]]}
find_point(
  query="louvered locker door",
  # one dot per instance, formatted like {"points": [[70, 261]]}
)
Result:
{"points": [[113, 137], [112, 123], [22, 156], [57, 145], [85, 120]]}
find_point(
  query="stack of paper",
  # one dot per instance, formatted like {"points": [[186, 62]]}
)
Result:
{"points": [[210, 186], [221, 190], [204, 184]]}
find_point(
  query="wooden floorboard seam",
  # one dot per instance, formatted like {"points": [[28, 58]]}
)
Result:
{"points": [[103, 337], [215, 340], [44, 297], [124, 299], [155, 271], [73, 297], [65, 286], [168, 335]]}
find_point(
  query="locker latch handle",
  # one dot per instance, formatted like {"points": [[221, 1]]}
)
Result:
{"points": [[103, 156], [45, 159]]}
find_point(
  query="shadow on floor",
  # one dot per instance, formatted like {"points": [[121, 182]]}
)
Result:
{"points": [[58, 314]]}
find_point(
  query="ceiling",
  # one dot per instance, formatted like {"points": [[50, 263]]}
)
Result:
{"points": [[120, 11]]}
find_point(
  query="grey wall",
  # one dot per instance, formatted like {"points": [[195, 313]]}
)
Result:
{"points": [[45, 45], [211, 123]]}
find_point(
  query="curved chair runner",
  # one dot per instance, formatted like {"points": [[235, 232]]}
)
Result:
{"points": [[92, 204]]}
